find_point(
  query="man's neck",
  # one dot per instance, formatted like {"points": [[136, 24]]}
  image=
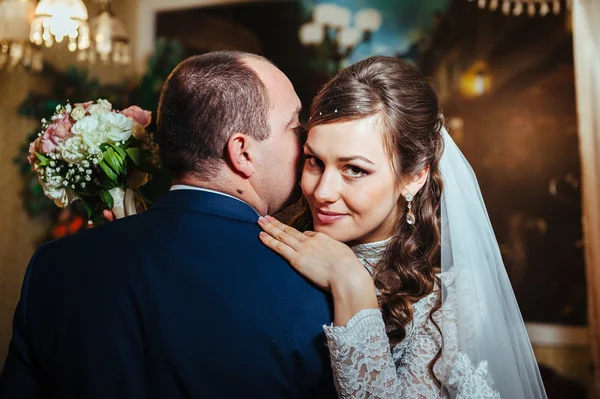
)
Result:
{"points": [[241, 191]]}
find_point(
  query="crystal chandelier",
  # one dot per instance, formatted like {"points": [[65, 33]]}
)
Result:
{"points": [[109, 39], [15, 48], [532, 7], [337, 31], [56, 19]]}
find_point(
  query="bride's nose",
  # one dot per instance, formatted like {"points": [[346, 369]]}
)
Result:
{"points": [[328, 189]]}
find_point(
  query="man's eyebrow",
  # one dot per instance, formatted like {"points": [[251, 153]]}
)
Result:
{"points": [[295, 116]]}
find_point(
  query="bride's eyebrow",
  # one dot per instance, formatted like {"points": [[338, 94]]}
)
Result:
{"points": [[354, 158], [342, 159], [307, 147]]}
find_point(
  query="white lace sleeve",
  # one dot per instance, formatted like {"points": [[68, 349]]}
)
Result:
{"points": [[361, 359], [365, 366]]}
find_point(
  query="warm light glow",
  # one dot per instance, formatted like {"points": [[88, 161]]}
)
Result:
{"points": [[517, 7], [15, 19], [311, 34], [476, 81], [56, 20], [110, 41], [349, 37], [368, 19], [15, 49], [332, 15], [332, 23]]}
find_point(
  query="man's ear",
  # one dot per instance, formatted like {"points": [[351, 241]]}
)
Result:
{"points": [[238, 147]]}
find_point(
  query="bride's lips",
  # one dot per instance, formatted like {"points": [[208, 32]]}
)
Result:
{"points": [[326, 217]]}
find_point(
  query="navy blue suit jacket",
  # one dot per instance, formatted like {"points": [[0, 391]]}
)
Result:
{"points": [[181, 301]]}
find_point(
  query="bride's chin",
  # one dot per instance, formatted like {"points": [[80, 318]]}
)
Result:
{"points": [[334, 232]]}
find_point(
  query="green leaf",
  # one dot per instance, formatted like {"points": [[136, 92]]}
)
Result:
{"points": [[108, 171], [113, 160], [107, 199], [119, 151], [43, 160], [134, 154]]}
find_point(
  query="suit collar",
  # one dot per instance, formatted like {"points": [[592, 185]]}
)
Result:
{"points": [[209, 202]]}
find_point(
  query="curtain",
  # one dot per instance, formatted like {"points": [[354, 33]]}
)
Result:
{"points": [[586, 38]]}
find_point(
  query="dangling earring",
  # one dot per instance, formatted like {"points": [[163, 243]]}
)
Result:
{"points": [[410, 216]]}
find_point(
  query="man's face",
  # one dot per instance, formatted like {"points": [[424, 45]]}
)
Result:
{"points": [[279, 159]]}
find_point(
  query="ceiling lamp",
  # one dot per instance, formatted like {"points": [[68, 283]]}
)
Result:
{"points": [[15, 48], [532, 7], [109, 39], [56, 20]]}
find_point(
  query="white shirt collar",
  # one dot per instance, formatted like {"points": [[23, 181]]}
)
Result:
{"points": [[186, 187]]}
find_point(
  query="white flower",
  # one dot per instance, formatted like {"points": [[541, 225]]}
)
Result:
{"points": [[68, 108], [96, 129], [78, 113], [61, 196], [73, 150], [91, 131], [117, 126], [105, 104], [96, 109], [101, 107]]}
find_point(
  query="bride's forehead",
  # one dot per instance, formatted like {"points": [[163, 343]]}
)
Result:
{"points": [[356, 136]]}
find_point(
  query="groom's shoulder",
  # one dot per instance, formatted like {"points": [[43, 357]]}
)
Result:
{"points": [[160, 227], [103, 237]]}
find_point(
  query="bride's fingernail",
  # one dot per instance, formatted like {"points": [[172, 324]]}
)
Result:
{"points": [[261, 219], [269, 218]]}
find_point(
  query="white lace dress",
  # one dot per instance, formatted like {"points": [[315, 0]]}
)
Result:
{"points": [[365, 366]]}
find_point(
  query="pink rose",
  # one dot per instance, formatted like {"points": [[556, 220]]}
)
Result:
{"points": [[58, 131], [85, 105], [33, 148], [138, 115]]}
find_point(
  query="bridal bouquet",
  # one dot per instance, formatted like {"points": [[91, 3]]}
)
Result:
{"points": [[95, 154]]}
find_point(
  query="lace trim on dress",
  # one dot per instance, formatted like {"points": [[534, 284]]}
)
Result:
{"points": [[365, 366]]}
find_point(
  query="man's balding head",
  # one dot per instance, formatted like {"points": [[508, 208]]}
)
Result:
{"points": [[204, 101]]}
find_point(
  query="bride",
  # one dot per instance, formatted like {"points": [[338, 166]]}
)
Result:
{"points": [[423, 306]]}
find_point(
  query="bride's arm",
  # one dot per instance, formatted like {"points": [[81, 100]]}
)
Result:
{"points": [[328, 263], [359, 348], [361, 358], [363, 364]]}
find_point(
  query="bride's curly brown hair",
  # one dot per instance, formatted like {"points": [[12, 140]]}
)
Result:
{"points": [[409, 109]]}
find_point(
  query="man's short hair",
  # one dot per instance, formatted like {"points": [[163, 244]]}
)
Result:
{"points": [[205, 100]]}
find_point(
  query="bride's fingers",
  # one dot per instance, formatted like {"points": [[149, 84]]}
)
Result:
{"points": [[279, 234], [287, 229], [279, 247], [309, 233]]}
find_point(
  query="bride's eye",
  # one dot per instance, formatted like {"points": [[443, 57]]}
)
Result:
{"points": [[312, 161], [355, 171]]}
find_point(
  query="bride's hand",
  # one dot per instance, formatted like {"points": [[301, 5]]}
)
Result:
{"points": [[316, 256], [328, 263]]}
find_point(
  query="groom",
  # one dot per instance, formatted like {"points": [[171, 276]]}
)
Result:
{"points": [[183, 301]]}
